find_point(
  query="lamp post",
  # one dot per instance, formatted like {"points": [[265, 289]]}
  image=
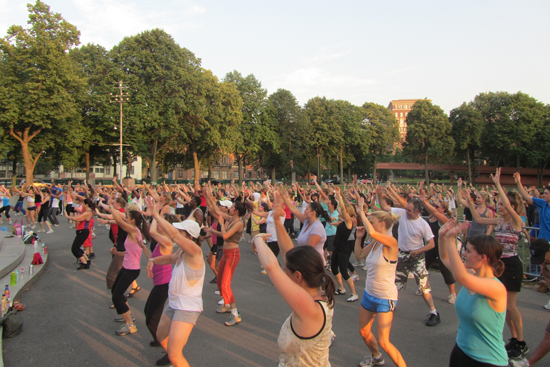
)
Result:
{"points": [[120, 98]]}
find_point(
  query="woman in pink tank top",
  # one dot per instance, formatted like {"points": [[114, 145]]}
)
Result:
{"points": [[135, 225]]}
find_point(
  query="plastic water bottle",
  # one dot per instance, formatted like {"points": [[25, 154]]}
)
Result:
{"points": [[17, 275], [13, 278], [43, 245], [21, 273]]}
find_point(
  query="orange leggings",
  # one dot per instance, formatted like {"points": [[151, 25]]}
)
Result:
{"points": [[226, 269]]}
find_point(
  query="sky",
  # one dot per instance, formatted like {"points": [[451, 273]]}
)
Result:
{"points": [[358, 51]]}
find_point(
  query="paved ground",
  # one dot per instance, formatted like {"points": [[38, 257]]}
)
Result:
{"points": [[68, 322]]}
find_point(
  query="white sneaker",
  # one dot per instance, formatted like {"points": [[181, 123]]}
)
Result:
{"points": [[452, 298], [217, 292], [41, 230], [353, 298], [359, 263], [50, 231], [547, 306], [365, 268], [220, 302], [263, 272], [519, 362], [355, 277], [371, 361]]}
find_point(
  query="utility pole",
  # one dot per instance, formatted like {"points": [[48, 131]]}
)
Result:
{"points": [[120, 99]]}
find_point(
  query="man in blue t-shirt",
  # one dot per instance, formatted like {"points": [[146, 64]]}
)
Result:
{"points": [[542, 204]]}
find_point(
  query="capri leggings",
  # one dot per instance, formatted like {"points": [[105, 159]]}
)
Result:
{"points": [[154, 307], [42, 213], [274, 246], [433, 256], [81, 236], [6, 211], [340, 261], [123, 280], [226, 269]]}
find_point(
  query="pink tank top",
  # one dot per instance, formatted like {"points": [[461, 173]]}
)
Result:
{"points": [[132, 254], [161, 273]]}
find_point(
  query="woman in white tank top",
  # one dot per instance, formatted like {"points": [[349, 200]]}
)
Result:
{"points": [[185, 288], [380, 296]]}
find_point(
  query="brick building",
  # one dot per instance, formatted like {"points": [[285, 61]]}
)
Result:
{"points": [[400, 108]]}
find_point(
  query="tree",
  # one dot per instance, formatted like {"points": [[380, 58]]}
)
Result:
{"points": [[252, 132], [428, 134], [326, 134], [96, 110], [40, 87], [467, 129], [539, 154], [382, 130], [162, 78]]}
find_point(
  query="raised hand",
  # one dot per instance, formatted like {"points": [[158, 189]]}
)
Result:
{"points": [[517, 178], [496, 177]]}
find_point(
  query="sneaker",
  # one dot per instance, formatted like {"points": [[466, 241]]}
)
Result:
{"points": [[233, 320], [418, 292], [223, 309], [353, 298], [217, 292], [355, 277], [126, 329], [107, 227], [92, 256], [365, 268], [215, 280], [263, 272], [56, 225], [519, 362], [41, 230], [518, 349], [511, 343], [220, 302], [359, 263], [547, 306], [340, 291], [50, 231], [451, 299], [433, 319], [93, 235], [164, 361], [120, 318], [371, 361]]}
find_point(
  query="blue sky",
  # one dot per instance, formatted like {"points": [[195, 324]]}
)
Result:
{"points": [[359, 51]]}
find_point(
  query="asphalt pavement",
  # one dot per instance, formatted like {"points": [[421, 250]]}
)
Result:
{"points": [[67, 320]]}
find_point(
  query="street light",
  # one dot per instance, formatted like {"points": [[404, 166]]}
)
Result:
{"points": [[120, 98]]}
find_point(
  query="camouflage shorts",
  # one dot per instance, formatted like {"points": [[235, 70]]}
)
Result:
{"points": [[416, 265]]}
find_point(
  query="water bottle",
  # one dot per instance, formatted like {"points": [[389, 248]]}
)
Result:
{"points": [[7, 291], [43, 245], [30, 269], [13, 278], [17, 275], [21, 273]]}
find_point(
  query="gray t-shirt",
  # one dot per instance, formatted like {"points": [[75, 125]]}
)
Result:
{"points": [[313, 228]]}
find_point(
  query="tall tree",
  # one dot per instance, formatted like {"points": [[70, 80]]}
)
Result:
{"points": [[326, 133], [382, 130], [467, 129], [428, 134], [539, 154], [40, 87], [162, 78], [96, 110], [253, 130]]}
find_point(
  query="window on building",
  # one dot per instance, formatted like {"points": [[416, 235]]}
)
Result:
{"points": [[193, 173], [401, 114], [259, 174], [99, 170], [224, 160], [107, 170], [235, 174], [216, 174], [180, 173], [396, 114], [400, 106], [224, 175], [249, 174]]}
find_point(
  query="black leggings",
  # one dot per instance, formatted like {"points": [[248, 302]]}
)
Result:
{"points": [[42, 214], [431, 257], [5, 209], [123, 280], [351, 246], [461, 359], [81, 237], [274, 246], [340, 260], [154, 307]]}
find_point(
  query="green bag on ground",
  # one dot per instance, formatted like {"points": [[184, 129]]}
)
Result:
{"points": [[13, 323]]}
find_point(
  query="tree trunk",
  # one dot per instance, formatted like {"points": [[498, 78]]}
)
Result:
{"points": [[87, 154], [541, 174], [210, 170], [518, 166], [374, 168], [197, 165], [152, 162], [273, 176], [341, 165], [426, 171], [349, 175], [14, 166], [469, 165], [308, 171], [30, 163], [240, 165], [318, 164]]}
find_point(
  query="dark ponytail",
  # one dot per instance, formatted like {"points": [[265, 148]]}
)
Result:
{"points": [[490, 247], [498, 269], [328, 288], [319, 211], [141, 223]]}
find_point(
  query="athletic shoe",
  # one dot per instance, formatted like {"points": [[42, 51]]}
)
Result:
{"points": [[107, 227], [359, 263], [433, 319], [519, 362], [223, 309], [365, 268], [92, 256], [215, 280], [547, 306], [233, 320], [451, 299], [511, 343], [418, 292], [164, 361], [353, 298], [220, 302], [126, 329], [120, 318], [371, 361], [355, 277], [217, 292], [263, 272], [56, 225], [518, 349], [93, 235], [340, 291], [50, 231], [41, 230]]}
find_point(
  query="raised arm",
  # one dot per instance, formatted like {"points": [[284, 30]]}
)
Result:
{"points": [[515, 216], [524, 194], [283, 239], [343, 210], [459, 197], [301, 217], [383, 205], [433, 211], [475, 215]]}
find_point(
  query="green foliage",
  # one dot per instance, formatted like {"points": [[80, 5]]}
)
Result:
{"points": [[40, 87], [428, 134], [162, 80]]}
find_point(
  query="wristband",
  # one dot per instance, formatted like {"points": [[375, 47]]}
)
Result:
{"points": [[152, 260]]}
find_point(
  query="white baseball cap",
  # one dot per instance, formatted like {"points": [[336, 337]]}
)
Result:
{"points": [[190, 226]]}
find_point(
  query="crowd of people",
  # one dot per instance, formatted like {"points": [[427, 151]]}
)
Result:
{"points": [[392, 231]]}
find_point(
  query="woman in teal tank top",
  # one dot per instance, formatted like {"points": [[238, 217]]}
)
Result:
{"points": [[481, 303]]}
